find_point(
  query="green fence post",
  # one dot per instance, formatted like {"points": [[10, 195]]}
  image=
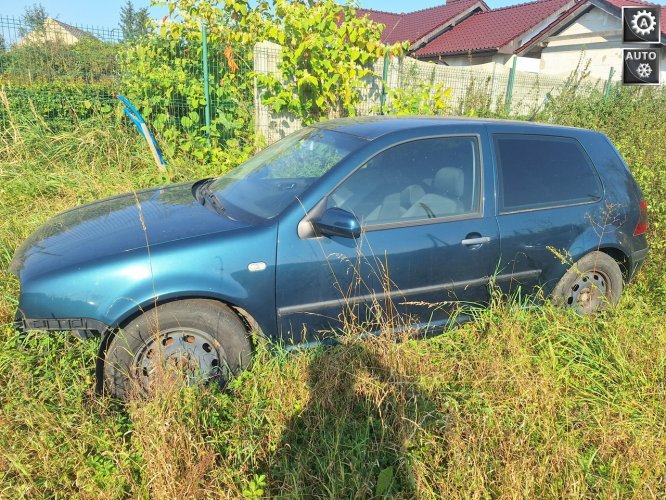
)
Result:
{"points": [[607, 89], [382, 99], [206, 83], [509, 86]]}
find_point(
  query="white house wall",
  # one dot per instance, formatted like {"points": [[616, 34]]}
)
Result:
{"points": [[595, 42], [50, 32]]}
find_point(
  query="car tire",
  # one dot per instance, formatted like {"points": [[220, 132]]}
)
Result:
{"points": [[592, 284], [203, 340]]}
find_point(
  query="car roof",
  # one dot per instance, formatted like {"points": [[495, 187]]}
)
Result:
{"points": [[372, 127]]}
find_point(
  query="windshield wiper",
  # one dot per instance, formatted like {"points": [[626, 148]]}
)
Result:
{"points": [[206, 195]]}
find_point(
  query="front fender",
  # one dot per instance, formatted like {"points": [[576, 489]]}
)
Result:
{"points": [[112, 290]]}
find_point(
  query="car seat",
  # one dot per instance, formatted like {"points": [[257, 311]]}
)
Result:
{"points": [[446, 198]]}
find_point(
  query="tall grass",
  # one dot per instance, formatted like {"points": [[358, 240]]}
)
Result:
{"points": [[519, 402]]}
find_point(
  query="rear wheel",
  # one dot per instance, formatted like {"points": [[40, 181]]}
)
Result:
{"points": [[196, 341], [592, 284]]}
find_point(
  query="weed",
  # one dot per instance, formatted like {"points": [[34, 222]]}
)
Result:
{"points": [[533, 402]]}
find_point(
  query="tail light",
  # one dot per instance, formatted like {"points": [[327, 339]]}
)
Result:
{"points": [[642, 225]]}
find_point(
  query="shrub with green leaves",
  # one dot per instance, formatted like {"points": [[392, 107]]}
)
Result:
{"points": [[327, 52], [87, 61], [163, 76], [58, 105]]}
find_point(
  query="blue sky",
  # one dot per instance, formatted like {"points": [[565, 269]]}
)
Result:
{"points": [[106, 13]]}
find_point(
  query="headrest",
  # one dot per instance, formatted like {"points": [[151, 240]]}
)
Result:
{"points": [[411, 194], [450, 181]]}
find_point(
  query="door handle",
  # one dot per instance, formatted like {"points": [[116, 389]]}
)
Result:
{"points": [[469, 242]]}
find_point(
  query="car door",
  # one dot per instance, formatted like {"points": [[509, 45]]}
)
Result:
{"points": [[429, 243], [548, 206]]}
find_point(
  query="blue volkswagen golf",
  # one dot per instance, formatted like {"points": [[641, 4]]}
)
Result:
{"points": [[332, 224]]}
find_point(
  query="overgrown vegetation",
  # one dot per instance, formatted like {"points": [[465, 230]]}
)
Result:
{"points": [[531, 402], [416, 96], [327, 52], [536, 402]]}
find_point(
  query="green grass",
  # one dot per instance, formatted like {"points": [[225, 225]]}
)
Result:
{"points": [[537, 402]]}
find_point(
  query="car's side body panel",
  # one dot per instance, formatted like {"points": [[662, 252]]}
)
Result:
{"points": [[104, 263], [622, 201], [552, 238]]}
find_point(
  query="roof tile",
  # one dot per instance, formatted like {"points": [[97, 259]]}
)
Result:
{"points": [[493, 29], [414, 25]]}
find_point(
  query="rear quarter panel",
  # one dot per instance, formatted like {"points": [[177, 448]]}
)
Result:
{"points": [[622, 198]]}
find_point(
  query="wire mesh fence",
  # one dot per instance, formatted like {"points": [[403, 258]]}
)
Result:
{"points": [[54, 71], [463, 90], [185, 86], [51, 50]]}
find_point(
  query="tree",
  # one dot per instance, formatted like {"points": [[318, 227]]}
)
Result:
{"points": [[3, 43], [133, 23], [34, 17]]}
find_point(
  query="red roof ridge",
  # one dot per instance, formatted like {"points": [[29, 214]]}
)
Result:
{"points": [[506, 7], [363, 9], [420, 25], [458, 2], [474, 33], [578, 5], [428, 8]]}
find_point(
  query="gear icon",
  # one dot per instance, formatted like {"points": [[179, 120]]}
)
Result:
{"points": [[644, 70], [643, 22]]}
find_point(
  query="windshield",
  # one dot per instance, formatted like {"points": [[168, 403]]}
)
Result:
{"points": [[267, 183]]}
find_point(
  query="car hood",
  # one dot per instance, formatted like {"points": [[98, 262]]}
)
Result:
{"points": [[115, 225]]}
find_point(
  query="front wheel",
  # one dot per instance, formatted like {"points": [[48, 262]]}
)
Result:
{"points": [[198, 340], [592, 284]]}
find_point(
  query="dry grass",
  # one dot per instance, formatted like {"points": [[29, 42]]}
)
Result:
{"points": [[534, 403]]}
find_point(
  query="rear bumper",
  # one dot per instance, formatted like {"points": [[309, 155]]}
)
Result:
{"points": [[81, 327]]}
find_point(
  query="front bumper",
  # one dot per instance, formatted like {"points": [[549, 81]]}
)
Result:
{"points": [[83, 328]]}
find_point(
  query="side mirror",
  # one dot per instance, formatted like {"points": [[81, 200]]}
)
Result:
{"points": [[338, 222]]}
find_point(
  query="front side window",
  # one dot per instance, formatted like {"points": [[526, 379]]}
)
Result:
{"points": [[414, 181], [538, 171], [266, 184]]}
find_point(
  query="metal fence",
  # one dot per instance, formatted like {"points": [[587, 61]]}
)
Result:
{"points": [[53, 50], [55, 71], [52, 70], [470, 90]]}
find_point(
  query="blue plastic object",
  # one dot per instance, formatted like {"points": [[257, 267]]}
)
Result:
{"points": [[134, 115]]}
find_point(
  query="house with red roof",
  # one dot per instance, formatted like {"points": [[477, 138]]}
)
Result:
{"points": [[420, 27], [591, 33], [544, 36], [494, 35]]}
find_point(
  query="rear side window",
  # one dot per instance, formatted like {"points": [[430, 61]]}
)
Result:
{"points": [[538, 171]]}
